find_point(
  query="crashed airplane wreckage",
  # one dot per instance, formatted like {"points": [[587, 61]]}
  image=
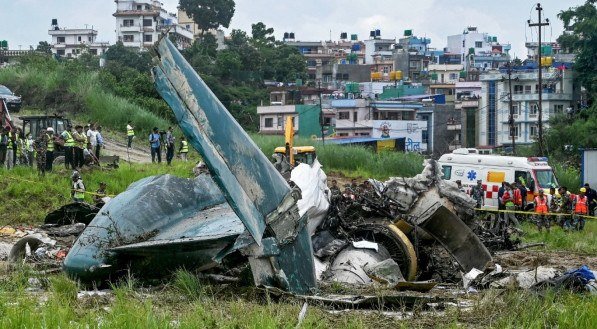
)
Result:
{"points": [[246, 208]]}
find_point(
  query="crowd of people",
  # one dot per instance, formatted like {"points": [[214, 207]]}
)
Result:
{"points": [[558, 207], [161, 141], [81, 146]]}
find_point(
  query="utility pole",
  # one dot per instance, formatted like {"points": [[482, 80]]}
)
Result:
{"points": [[511, 117], [321, 116], [540, 24]]}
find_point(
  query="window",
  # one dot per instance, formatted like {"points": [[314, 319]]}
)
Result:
{"points": [[128, 38], [518, 89], [60, 39], [311, 63], [90, 39], [128, 22], [344, 115], [148, 22], [268, 122], [534, 131], [386, 69], [515, 131], [280, 121], [478, 44], [424, 136], [453, 76], [533, 109], [515, 109], [527, 89], [558, 108], [355, 116], [139, 7], [463, 44], [147, 38], [442, 77], [79, 38], [60, 52], [93, 52], [342, 134], [447, 172], [188, 27]]}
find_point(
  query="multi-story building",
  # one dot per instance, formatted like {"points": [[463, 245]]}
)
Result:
{"points": [[74, 42], [333, 62], [443, 79], [468, 94], [412, 56], [379, 53], [558, 93], [478, 51], [139, 24], [188, 23]]}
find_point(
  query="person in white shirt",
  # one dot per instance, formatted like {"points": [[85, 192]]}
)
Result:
{"points": [[92, 136]]}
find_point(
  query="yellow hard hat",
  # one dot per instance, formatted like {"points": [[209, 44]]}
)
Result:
{"points": [[583, 190]]}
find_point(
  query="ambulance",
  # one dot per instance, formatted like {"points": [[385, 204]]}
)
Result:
{"points": [[468, 166]]}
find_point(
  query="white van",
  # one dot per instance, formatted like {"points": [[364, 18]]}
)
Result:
{"points": [[467, 165]]}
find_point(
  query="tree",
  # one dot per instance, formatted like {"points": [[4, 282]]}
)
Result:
{"points": [[580, 37], [209, 14], [262, 34], [44, 47]]}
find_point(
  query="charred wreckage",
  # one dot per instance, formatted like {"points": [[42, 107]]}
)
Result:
{"points": [[398, 232]]}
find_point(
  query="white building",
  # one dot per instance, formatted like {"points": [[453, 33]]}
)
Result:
{"points": [[380, 54], [493, 127], [140, 23], [74, 42], [478, 50], [445, 73]]}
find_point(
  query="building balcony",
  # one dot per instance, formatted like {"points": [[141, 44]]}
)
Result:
{"points": [[547, 96], [130, 28], [474, 103], [349, 103], [276, 109], [151, 12]]}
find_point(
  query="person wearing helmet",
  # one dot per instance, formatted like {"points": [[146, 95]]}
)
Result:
{"points": [[49, 148], [580, 208]]}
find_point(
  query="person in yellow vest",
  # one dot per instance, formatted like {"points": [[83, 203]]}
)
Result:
{"points": [[50, 148], [69, 144], [78, 188], [541, 209], [184, 149], [130, 134], [80, 145], [580, 208], [10, 148]]}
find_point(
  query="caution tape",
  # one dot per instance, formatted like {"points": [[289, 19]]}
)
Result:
{"points": [[533, 213], [38, 183]]}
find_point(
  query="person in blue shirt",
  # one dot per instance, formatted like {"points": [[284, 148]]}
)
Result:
{"points": [[154, 142]]}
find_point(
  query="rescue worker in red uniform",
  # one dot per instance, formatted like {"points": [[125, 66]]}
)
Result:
{"points": [[580, 208], [541, 210]]}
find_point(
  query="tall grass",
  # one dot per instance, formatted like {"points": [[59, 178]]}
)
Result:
{"points": [[27, 197], [352, 160], [584, 242], [69, 89]]}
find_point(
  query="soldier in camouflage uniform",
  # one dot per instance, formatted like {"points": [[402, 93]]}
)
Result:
{"points": [[41, 145]]}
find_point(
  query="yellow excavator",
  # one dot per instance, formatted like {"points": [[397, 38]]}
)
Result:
{"points": [[294, 155]]}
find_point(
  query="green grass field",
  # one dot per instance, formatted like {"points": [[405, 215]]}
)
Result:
{"points": [[582, 242]]}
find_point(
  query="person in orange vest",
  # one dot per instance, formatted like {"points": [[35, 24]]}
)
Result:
{"points": [[541, 209], [508, 201], [518, 199], [580, 207]]}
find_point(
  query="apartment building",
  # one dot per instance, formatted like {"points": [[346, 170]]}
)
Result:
{"points": [[558, 93], [139, 24], [478, 51], [188, 23], [71, 43]]}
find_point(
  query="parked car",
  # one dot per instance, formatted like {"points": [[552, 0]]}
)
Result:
{"points": [[13, 102]]}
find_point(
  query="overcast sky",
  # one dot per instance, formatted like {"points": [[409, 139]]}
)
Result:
{"points": [[26, 22]]}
